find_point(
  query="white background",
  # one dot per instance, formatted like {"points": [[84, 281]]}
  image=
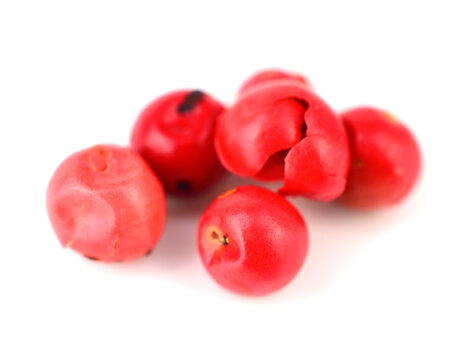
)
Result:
{"points": [[392, 284]]}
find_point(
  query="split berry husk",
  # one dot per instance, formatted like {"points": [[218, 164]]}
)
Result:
{"points": [[283, 131]]}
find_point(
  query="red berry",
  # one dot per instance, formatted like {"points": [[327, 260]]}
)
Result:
{"points": [[174, 134], [266, 77], [385, 159], [105, 203], [252, 241], [282, 131]]}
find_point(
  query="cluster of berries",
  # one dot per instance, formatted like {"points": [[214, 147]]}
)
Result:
{"points": [[107, 202]]}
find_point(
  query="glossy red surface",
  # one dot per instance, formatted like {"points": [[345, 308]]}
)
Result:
{"points": [[252, 241], [267, 76], [174, 134], [385, 160], [282, 131], [105, 203]]}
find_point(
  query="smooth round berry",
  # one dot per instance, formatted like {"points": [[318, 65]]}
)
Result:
{"points": [[265, 77], [283, 131], [385, 159], [174, 134], [252, 241], [106, 203]]}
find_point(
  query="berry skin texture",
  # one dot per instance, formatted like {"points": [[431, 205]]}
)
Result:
{"points": [[385, 159], [266, 77], [174, 134], [283, 131], [106, 203], [252, 241]]}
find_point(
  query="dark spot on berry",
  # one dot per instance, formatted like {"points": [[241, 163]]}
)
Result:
{"points": [[192, 99], [214, 235], [91, 258], [183, 185], [357, 163], [149, 252], [225, 240]]}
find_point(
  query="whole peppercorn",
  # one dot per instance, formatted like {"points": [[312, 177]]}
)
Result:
{"points": [[252, 241], [174, 134], [385, 159], [105, 203]]}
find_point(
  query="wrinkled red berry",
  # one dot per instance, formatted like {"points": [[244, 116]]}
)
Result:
{"points": [[385, 159], [252, 241], [105, 203], [282, 131], [266, 77], [174, 134]]}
